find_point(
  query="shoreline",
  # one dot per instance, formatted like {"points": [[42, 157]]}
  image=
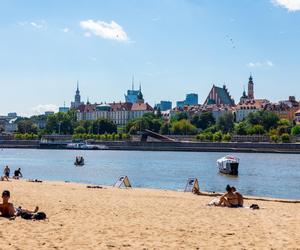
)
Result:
{"points": [[112, 218], [230, 147]]}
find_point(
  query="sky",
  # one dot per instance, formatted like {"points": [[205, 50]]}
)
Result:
{"points": [[172, 47]]}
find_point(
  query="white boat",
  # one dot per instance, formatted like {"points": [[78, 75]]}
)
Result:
{"points": [[228, 165]]}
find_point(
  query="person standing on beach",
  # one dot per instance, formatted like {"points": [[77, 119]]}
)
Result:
{"points": [[6, 171]]}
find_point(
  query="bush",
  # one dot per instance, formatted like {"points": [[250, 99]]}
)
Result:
{"points": [[274, 138], [201, 137], [285, 138], [226, 137], [256, 130], [217, 136]]}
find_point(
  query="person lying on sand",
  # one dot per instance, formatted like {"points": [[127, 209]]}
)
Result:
{"points": [[239, 196], [229, 199], [7, 209]]}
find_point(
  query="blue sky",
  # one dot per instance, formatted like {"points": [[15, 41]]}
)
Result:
{"points": [[173, 47]]}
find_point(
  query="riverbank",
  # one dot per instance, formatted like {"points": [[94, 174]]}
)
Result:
{"points": [[183, 146], [84, 218]]}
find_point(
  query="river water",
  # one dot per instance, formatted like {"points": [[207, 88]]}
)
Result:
{"points": [[271, 175]]}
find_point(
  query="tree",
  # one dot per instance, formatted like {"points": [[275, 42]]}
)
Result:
{"points": [[265, 118], [79, 130], [203, 121], [165, 128], [241, 128], [26, 126], [296, 130], [181, 116], [256, 130], [102, 126], [183, 127], [225, 122]]}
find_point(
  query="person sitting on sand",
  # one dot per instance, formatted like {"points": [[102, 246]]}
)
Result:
{"points": [[17, 174], [229, 199], [7, 209], [239, 196]]}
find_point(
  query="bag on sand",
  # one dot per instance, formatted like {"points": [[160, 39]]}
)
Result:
{"points": [[33, 216]]}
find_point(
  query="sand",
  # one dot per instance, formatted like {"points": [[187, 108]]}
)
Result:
{"points": [[82, 218]]}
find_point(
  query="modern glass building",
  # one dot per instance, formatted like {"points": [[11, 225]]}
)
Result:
{"points": [[191, 99]]}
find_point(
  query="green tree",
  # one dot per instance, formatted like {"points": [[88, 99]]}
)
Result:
{"points": [[203, 121], [225, 122], [241, 128], [256, 130], [295, 130], [165, 128], [183, 127], [26, 126], [79, 130], [264, 118]]}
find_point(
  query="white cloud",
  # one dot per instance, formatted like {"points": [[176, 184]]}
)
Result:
{"points": [[267, 63], [42, 108], [291, 5], [39, 25], [66, 30], [105, 30]]}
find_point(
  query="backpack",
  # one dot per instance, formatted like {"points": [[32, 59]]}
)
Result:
{"points": [[33, 216]]}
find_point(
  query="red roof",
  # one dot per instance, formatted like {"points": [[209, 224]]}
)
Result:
{"points": [[141, 107]]}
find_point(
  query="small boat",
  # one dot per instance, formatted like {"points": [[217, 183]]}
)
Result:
{"points": [[228, 165], [79, 161]]}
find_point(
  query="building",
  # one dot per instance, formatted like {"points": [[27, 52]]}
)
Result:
{"points": [[118, 113], [164, 105], [219, 96], [180, 104], [285, 109], [191, 99], [133, 96], [49, 113], [250, 96], [8, 123], [243, 109], [297, 117], [77, 100]]}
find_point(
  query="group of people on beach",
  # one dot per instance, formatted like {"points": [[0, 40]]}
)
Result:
{"points": [[6, 174]]}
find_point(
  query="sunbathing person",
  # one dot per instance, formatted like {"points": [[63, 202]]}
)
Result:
{"points": [[239, 196], [7, 209], [229, 199]]}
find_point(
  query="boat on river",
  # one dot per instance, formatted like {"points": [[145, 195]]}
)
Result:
{"points": [[228, 165], [79, 161]]}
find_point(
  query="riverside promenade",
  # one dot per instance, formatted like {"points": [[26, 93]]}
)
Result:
{"points": [[186, 146]]}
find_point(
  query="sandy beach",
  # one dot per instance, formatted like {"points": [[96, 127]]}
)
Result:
{"points": [[83, 218]]}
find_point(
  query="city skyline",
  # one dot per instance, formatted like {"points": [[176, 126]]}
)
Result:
{"points": [[172, 47]]}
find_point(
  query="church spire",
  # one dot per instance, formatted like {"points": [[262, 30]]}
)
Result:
{"points": [[132, 81]]}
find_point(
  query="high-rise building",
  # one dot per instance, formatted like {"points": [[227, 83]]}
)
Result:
{"points": [[77, 100], [164, 105], [191, 99]]}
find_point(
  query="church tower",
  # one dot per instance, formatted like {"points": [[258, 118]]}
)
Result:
{"points": [[77, 100], [250, 88], [77, 95]]}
